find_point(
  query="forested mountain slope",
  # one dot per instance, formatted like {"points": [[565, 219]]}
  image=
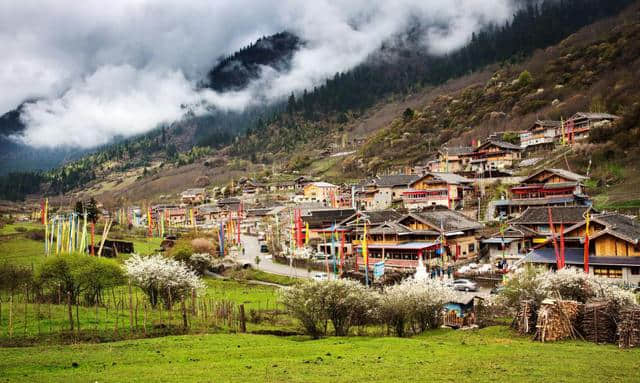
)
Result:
{"points": [[354, 106]]}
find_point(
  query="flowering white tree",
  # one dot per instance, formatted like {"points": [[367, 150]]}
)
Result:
{"points": [[162, 278], [569, 283], [414, 303]]}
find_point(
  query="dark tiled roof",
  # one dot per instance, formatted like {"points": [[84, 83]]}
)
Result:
{"points": [[501, 145], [450, 220], [326, 217], [395, 180], [376, 217], [560, 214], [595, 116], [456, 150], [620, 225], [390, 228]]}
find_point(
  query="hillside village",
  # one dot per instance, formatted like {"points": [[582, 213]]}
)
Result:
{"points": [[486, 203], [474, 210]]}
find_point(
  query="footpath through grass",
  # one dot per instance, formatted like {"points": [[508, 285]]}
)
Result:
{"points": [[493, 354]]}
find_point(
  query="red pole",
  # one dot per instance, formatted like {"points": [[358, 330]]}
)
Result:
{"points": [[562, 245]]}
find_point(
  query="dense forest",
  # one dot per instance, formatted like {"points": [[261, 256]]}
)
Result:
{"points": [[236, 71], [536, 25]]}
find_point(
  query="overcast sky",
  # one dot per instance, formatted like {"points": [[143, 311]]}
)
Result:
{"points": [[104, 69]]}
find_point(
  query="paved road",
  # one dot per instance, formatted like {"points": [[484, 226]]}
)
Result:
{"points": [[252, 248]]}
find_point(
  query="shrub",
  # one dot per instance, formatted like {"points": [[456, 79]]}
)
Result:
{"points": [[161, 278], [569, 283], [306, 303], [36, 235], [200, 262], [78, 273], [14, 278], [182, 250], [202, 245], [414, 305]]}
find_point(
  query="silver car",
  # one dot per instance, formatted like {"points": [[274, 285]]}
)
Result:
{"points": [[464, 285]]}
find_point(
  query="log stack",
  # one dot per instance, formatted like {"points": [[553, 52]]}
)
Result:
{"points": [[556, 320], [599, 322], [629, 327], [525, 320]]}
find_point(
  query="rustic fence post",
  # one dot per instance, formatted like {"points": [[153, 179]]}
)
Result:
{"points": [[26, 299], [243, 325], [144, 321], [130, 309], [50, 321], [185, 323], [170, 305], [70, 310], [11, 316]]}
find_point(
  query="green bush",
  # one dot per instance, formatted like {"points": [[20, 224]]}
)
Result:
{"points": [[80, 274]]}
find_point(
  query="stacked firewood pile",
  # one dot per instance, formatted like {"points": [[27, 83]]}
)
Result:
{"points": [[599, 322], [525, 320], [629, 327], [556, 319]]}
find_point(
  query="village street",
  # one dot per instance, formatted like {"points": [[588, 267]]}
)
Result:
{"points": [[252, 249]]}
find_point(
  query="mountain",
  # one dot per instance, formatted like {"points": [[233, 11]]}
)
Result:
{"points": [[365, 109], [236, 71]]}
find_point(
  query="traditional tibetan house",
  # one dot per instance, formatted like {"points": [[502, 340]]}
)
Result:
{"points": [[537, 219], [542, 135], [443, 189], [614, 248], [457, 230], [492, 155], [547, 187], [510, 244], [193, 196], [321, 192], [424, 234], [451, 159], [578, 126], [390, 189]]}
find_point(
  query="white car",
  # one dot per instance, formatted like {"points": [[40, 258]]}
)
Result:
{"points": [[320, 276]]}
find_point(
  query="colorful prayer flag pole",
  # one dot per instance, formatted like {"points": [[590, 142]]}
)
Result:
{"points": [[586, 244]]}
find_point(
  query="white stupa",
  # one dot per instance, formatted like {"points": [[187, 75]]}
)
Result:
{"points": [[421, 271]]}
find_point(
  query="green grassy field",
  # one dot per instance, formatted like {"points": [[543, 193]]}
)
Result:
{"points": [[493, 354]]}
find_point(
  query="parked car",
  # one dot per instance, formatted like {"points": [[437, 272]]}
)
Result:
{"points": [[463, 285], [264, 248], [320, 276]]}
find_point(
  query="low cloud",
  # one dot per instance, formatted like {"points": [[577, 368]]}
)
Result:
{"points": [[100, 72]]}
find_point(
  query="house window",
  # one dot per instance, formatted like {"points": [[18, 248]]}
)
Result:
{"points": [[472, 247], [608, 272], [635, 270]]}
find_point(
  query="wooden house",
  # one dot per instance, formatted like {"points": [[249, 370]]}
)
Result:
{"points": [[578, 126], [542, 135], [451, 159], [614, 247], [546, 187], [193, 196], [444, 189], [321, 192], [511, 244], [492, 155]]}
